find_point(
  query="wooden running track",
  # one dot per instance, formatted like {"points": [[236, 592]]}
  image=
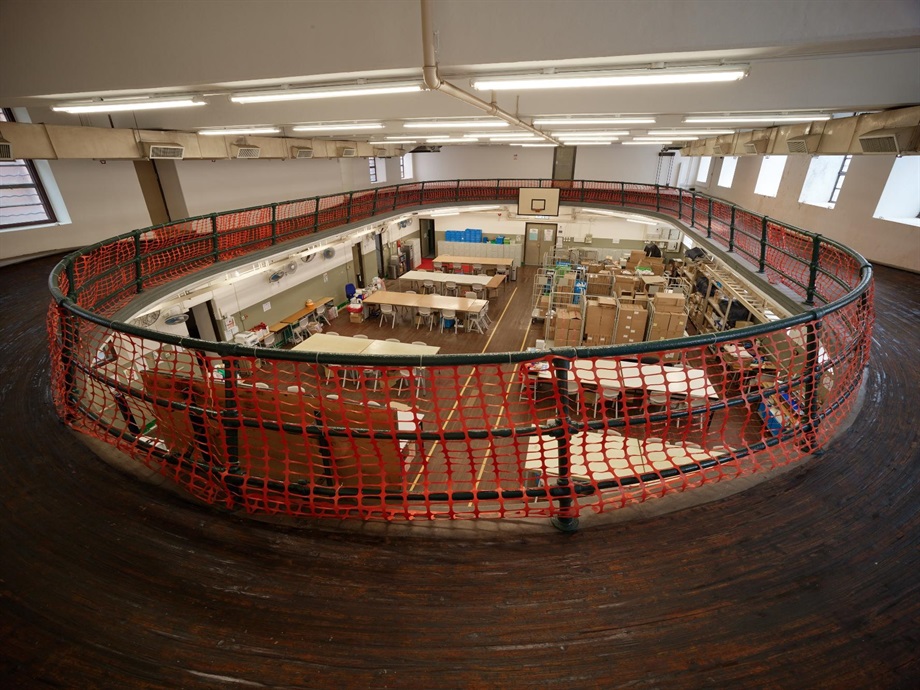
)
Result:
{"points": [[808, 580]]}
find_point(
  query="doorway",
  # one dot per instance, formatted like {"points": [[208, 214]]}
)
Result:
{"points": [[357, 260], [426, 230], [539, 240]]}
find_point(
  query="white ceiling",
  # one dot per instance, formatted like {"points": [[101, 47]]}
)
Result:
{"points": [[808, 55]]}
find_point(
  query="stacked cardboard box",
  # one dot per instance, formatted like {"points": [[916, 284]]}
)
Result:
{"points": [[631, 320], [600, 321], [600, 284], [625, 283], [565, 291], [667, 317], [567, 328]]}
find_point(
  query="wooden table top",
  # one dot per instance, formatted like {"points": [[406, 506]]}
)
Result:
{"points": [[491, 282], [343, 344], [485, 260], [653, 377], [439, 302], [306, 311]]}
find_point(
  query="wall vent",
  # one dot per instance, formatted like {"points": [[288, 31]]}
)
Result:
{"points": [[348, 152], [301, 152], [894, 140], [804, 144], [756, 146], [244, 151], [6, 150], [723, 148], [155, 151]]}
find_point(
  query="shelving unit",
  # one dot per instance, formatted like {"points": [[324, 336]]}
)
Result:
{"points": [[706, 313]]}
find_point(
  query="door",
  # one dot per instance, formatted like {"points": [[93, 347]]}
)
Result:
{"points": [[357, 260], [539, 239], [426, 229]]}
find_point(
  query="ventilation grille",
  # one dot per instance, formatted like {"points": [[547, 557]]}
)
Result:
{"points": [[756, 146], [723, 148], [806, 144], [895, 140], [245, 151], [301, 152], [167, 151], [349, 152], [380, 153], [6, 151]]}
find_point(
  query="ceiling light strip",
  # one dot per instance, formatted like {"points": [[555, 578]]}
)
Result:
{"points": [[356, 127], [116, 106], [324, 92], [646, 77]]}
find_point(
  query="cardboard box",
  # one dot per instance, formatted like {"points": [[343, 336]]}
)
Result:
{"points": [[356, 317], [631, 321], [669, 301], [664, 325]]}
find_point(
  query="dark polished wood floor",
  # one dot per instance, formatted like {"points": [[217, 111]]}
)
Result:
{"points": [[809, 580]]}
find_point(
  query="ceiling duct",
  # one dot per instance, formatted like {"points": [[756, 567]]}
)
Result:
{"points": [[426, 149], [803, 144], [348, 152], [723, 148], [160, 151], [245, 151], [380, 153], [301, 152], [895, 140], [6, 150], [756, 146]]}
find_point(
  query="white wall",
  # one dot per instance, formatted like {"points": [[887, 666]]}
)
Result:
{"points": [[849, 222], [228, 184], [617, 163], [102, 200], [484, 162]]}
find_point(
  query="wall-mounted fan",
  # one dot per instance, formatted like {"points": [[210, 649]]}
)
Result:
{"points": [[291, 267], [328, 252], [175, 316], [276, 276], [148, 319], [308, 258]]}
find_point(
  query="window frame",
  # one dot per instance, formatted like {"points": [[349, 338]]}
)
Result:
{"points": [[51, 218]]}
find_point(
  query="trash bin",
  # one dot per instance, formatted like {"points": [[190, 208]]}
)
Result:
{"points": [[513, 271]]}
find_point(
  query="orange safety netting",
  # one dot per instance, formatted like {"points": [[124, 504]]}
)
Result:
{"points": [[520, 435]]}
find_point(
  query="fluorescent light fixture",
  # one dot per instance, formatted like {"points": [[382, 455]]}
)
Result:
{"points": [[644, 143], [450, 140], [602, 212], [688, 132], [532, 137], [642, 77], [804, 117], [642, 222], [392, 141], [667, 139], [565, 122], [596, 133], [444, 215], [608, 138], [453, 124], [505, 137], [534, 146], [356, 127], [323, 92], [239, 131], [123, 105], [588, 142]]}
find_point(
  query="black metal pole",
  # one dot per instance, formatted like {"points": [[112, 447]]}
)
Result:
{"points": [[731, 232], [138, 268], [274, 224], [709, 220], [762, 266], [813, 270], [564, 521], [812, 382]]}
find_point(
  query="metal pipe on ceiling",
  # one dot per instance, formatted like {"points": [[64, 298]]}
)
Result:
{"points": [[434, 82]]}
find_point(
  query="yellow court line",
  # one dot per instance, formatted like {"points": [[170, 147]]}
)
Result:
{"points": [[462, 389]]}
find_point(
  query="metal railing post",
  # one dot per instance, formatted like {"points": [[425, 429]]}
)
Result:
{"points": [[70, 336], [680, 204], [762, 265], [564, 521], [316, 216], [374, 205], [274, 224], [731, 231], [709, 220], [229, 417], [351, 197], [812, 382], [138, 267], [215, 240], [658, 197], [813, 270], [692, 209]]}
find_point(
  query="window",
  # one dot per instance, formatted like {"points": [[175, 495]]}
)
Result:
{"points": [[405, 167], [838, 183], [771, 172], [824, 180], [372, 168], [702, 174], [727, 174], [23, 202], [900, 200]]}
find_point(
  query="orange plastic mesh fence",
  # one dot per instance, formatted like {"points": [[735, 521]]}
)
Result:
{"points": [[522, 435]]}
